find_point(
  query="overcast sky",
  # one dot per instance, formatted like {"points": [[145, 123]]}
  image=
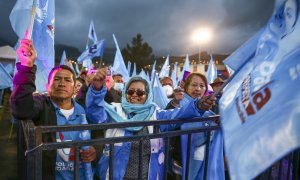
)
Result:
{"points": [[167, 25]]}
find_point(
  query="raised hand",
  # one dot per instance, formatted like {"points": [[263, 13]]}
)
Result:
{"points": [[26, 53], [206, 102], [97, 79]]}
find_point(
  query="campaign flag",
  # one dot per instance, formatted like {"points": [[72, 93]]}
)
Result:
{"points": [[87, 63], [165, 70], [174, 75], [63, 58], [212, 71], [6, 79], [20, 16], [92, 33], [95, 50], [42, 34], [77, 69], [186, 67], [144, 75], [134, 70], [260, 107], [119, 65], [159, 96], [129, 67], [9, 68], [153, 70]]}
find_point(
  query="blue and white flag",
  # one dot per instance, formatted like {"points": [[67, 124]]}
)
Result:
{"points": [[165, 70], [260, 107], [6, 79], [42, 34], [92, 33], [63, 58], [95, 50], [212, 72], [119, 65], [134, 70], [159, 96], [186, 67], [20, 16], [129, 68], [174, 75]]}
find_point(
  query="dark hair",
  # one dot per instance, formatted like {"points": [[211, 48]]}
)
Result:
{"points": [[62, 67], [138, 79], [117, 75], [80, 80], [164, 78], [189, 80]]}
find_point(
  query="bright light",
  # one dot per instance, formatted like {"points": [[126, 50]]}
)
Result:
{"points": [[202, 35]]}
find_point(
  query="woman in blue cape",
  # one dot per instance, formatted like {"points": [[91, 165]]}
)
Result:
{"points": [[137, 105]]}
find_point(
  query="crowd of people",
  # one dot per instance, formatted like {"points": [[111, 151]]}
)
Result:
{"points": [[87, 99]]}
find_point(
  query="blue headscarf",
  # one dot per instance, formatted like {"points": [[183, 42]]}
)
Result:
{"points": [[137, 112]]}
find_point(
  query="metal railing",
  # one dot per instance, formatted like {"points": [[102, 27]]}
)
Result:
{"points": [[31, 135]]}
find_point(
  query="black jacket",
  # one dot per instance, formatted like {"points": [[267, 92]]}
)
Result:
{"points": [[38, 108]]}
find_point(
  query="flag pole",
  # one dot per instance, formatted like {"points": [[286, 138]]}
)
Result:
{"points": [[28, 33]]}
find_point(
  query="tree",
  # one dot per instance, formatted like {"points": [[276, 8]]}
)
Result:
{"points": [[138, 52]]}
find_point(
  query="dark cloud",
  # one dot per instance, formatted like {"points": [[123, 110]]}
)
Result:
{"points": [[166, 25]]}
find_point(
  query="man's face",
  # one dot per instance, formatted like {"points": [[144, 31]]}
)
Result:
{"points": [[118, 79], [167, 81], [61, 85]]}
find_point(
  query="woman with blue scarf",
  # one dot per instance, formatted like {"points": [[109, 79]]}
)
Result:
{"points": [[137, 105]]}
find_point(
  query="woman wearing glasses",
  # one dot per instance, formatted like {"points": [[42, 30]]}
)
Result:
{"points": [[137, 105]]}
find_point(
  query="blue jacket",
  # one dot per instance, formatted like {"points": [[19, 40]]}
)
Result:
{"points": [[65, 157], [96, 114]]}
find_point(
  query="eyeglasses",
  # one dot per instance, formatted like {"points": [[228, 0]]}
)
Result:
{"points": [[138, 92]]}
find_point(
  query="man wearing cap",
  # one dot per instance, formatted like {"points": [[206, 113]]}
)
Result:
{"points": [[216, 85]]}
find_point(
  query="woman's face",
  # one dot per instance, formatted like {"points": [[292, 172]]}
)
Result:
{"points": [[196, 88], [136, 93]]}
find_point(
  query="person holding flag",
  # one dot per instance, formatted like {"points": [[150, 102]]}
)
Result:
{"points": [[56, 108]]}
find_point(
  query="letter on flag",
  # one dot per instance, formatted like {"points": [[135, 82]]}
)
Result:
{"points": [[95, 50], [260, 107]]}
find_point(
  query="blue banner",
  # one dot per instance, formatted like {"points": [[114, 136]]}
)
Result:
{"points": [[260, 107], [95, 50], [6, 79]]}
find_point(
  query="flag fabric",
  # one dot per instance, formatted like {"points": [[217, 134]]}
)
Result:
{"points": [[92, 33], [6, 79], [87, 63], [63, 58], [77, 69], [129, 67], [260, 107], [9, 68], [95, 50], [42, 34], [144, 75], [186, 67], [159, 96], [174, 75], [134, 70], [153, 71], [20, 16], [119, 65], [212, 72], [165, 70]]}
